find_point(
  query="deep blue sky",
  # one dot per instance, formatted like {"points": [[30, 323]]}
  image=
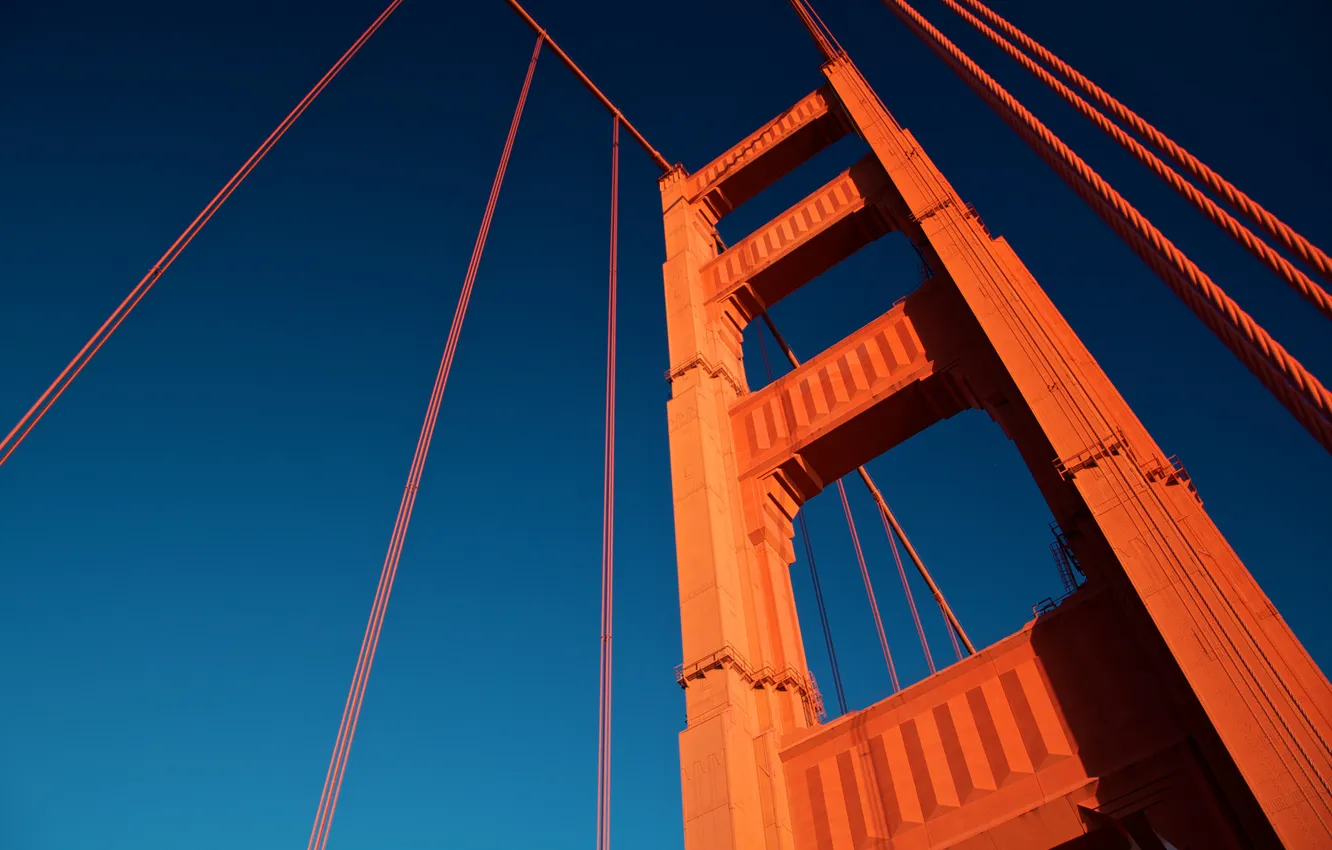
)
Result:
{"points": [[190, 541]]}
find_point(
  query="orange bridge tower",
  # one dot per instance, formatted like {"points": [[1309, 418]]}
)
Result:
{"points": [[1165, 701]]}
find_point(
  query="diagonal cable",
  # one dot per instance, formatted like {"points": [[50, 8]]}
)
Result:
{"points": [[351, 712], [94, 344]]}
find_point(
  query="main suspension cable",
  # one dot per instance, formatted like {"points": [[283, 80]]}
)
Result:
{"points": [[103, 333], [1127, 223], [608, 514], [1278, 264], [869, 588], [1254, 211], [352, 710], [813, 571], [1303, 395], [591, 86], [888, 515]]}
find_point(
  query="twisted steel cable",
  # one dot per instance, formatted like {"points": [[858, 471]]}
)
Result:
{"points": [[1283, 268], [1255, 212], [1283, 375]]}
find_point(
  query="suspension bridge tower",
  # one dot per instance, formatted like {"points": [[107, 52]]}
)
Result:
{"points": [[1165, 703]]}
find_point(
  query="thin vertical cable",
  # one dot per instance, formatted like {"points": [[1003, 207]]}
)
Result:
{"points": [[910, 597], [952, 634], [824, 28], [583, 78], [351, 711], [608, 513], [103, 333], [823, 613], [822, 36], [813, 571], [954, 625], [869, 588]]}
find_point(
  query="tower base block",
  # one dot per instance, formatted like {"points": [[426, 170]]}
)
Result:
{"points": [[1049, 738]]}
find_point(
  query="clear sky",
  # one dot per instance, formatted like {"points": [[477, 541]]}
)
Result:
{"points": [[190, 542]]}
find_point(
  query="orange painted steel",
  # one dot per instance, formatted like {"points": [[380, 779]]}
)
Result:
{"points": [[591, 86], [1255, 212], [1256, 676], [1165, 699], [1278, 264], [1307, 399], [954, 625], [986, 756], [103, 333], [608, 512], [745, 676], [369, 644], [815, 582]]}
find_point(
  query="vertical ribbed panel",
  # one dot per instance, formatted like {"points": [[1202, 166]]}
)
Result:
{"points": [[997, 732]]}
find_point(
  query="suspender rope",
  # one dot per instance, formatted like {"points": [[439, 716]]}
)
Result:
{"points": [[869, 588], [351, 712], [888, 516], [591, 86], [911, 599], [98, 339], [813, 573], [608, 515]]}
